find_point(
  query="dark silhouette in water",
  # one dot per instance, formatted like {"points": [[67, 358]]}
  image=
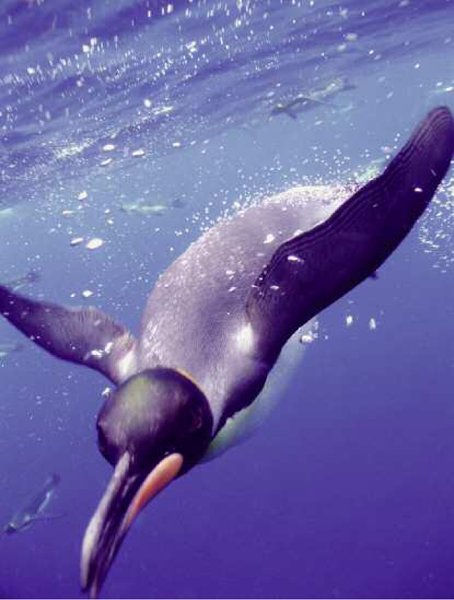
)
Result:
{"points": [[317, 97], [217, 320], [34, 508], [16, 284]]}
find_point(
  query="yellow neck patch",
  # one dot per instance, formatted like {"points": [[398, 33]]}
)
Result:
{"points": [[190, 377]]}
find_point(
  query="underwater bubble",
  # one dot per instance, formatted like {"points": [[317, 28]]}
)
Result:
{"points": [[94, 243], [76, 241]]}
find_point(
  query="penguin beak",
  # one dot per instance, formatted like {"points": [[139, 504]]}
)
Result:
{"points": [[126, 495]]}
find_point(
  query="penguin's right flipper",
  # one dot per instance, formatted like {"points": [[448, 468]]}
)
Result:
{"points": [[81, 335], [311, 271]]}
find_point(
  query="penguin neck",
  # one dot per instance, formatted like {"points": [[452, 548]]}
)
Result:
{"points": [[125, 358]]}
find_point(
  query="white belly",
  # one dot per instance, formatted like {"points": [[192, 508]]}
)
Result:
{"points": [[243, 424]]}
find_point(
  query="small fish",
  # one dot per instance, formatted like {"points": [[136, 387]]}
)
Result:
{"points": [[141, 208], [16, 284], [34, 509]]}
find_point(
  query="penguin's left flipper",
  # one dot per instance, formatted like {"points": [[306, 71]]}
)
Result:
{"points": [[81, 335], [311, 271]]}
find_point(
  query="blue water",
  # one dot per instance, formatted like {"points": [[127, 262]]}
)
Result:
{"points": [[348, 489]]}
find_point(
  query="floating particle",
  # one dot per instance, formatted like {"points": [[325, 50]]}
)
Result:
{"points": [[87, 293], [94, 243], [372, 324], [309, 337], [163, 110], [176, 144], [348, 320], [76, 241], [82, 196], [147, 103], [138, 153], [108, 147], [106, 162], [269, 239], [67, 213]]}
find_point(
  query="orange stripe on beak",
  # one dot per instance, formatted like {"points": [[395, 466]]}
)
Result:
{"points": [[157, 480]]}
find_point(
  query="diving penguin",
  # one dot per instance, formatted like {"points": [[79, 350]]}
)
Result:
{"points": [[35, 508], [217, 320]]}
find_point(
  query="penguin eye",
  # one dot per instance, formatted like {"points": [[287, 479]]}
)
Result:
{"points": [[193, 420]]}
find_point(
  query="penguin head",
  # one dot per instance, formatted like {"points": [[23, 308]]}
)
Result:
{"points": [[157, 412], [10, 528], [153, 428]]}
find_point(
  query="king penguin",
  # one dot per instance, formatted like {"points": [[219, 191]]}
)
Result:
{"points": [[217, 320]]}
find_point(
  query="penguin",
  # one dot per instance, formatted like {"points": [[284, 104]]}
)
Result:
{"points": [[217, 320], [35, 508], [313, 98]]}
